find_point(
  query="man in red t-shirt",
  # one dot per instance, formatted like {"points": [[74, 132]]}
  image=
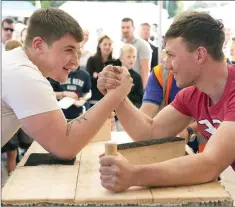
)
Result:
{"points": [[194, 44]]}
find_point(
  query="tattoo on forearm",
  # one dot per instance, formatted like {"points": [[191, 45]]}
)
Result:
{"points": [[79, 120]]}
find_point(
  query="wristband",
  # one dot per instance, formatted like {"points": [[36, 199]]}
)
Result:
{"points": [[192, 135], [190, 131]]}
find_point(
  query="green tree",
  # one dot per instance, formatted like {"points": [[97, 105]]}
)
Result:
{"points": [[45, 4], [173, 7], [202, 5]]}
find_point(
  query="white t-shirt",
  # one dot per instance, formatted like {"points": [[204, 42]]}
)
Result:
{"points": [[25, 92]]}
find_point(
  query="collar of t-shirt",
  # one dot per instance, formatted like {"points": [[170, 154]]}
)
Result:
{"points": [[133, 41]]}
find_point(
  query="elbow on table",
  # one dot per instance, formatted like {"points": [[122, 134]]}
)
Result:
{"points": [[65, 151], [213, 171], [65, 154]]}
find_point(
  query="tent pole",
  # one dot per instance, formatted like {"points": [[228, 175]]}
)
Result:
{"points": [[38, 4], [160, 6]]}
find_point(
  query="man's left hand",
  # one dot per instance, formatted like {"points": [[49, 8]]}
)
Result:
{"points": [[116, 173]]}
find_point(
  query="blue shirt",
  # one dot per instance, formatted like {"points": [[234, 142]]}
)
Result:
{"points": [[153, 91]]}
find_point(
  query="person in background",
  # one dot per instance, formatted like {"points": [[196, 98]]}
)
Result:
{"points": [[145, 29], [96, 63], [127, 58], [85, 53], [143, 58], [7, 31], [12, 44], [232, 51], [154, 34], [77, 86], [23, 34], [18, 27]]}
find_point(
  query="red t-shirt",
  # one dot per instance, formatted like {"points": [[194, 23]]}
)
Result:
{"points": [[192, 102]]}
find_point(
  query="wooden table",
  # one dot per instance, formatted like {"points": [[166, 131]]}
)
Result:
{"points": [[80, 184]]}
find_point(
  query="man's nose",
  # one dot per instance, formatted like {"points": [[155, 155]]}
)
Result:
{"points": [[75, 61]]}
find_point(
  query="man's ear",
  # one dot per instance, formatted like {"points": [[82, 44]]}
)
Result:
{"points": [[201, 54], [38, 44]]}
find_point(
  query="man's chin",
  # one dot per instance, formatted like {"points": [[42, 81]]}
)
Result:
{"points": [[183, 85], [60, 79]]}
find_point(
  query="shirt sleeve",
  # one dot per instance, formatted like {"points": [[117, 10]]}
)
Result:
{"points": [[230, 109], [89, 66], [181, 101], [153, 91], [145, 52], [30, 94]]}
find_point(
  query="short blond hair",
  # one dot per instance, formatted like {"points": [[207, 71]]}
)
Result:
{"points": [[12, 44], [127, 48]]}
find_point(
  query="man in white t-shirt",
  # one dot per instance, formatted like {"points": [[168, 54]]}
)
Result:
{"points": [[144, 51], [28, 100]]}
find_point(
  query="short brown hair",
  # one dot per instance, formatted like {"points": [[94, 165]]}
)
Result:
{"points": [[51, 24], [199, 29], [127, 19], [145, 24], [12, 44], [8, 21]]}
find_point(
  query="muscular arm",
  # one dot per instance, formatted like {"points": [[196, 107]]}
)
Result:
{"points": [[168, 122], [149, 109], [192, 169], [145, 70], [64, 139]]}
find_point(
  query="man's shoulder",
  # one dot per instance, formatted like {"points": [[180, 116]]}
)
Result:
{"points": [[17, 61], [20, 71], [141, 43], [191, 94]]}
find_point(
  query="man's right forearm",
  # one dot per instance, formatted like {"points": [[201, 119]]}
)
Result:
{"points": [[150, 109], [80, 131], [137, 124]]}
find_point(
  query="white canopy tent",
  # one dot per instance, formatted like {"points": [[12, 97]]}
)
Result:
{"points": [[17, 8], [108, 15]]}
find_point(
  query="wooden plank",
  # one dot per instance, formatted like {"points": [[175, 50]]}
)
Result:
{"points": [[154, 153], [208, 194], [43, 183], [89, 189], [39, 184]]}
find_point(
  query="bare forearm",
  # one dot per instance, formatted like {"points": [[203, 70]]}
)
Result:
{"points": [[82, 129], [137, 125], [193, 169], [59, 95], [149, 109], [73, 136]]}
